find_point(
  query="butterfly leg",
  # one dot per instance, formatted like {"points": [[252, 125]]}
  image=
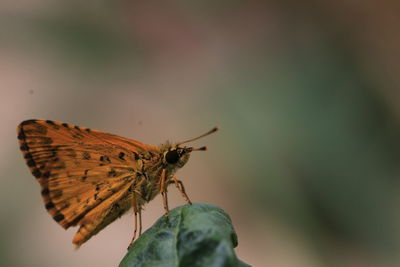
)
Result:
{"points": [[136, 211], [163, 190], [181, 188], [140, 221]]}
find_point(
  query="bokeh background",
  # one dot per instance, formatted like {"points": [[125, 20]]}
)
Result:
{"points": [[306, 94]]}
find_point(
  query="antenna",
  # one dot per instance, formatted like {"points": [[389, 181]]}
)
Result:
{"points": [[203, 148], [213, 130]]}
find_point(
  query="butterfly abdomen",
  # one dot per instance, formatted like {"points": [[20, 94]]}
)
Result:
{"points": [[83, 234]]}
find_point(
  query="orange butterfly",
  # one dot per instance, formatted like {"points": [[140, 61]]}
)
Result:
{"points": [[90, 178]]}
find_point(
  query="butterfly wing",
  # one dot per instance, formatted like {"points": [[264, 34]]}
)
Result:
{"points": [[83, 173]]}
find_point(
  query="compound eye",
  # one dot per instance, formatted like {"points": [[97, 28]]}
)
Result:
{"points": [[172, 157]]}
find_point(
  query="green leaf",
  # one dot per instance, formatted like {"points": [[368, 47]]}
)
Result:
{"points": [[191, 235]]}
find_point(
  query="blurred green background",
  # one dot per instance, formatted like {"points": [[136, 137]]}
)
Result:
{"points": [[306, 94]]}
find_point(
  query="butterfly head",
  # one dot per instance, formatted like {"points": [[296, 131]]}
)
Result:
{"points": [[177, 156]]}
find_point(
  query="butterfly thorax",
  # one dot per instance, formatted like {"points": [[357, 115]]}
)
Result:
{"points": [[168, 158]]}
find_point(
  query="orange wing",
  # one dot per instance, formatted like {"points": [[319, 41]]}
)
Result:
{"points": [[79, 169]]}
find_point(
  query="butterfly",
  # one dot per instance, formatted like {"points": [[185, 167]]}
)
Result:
{"points": [[89, 178]]}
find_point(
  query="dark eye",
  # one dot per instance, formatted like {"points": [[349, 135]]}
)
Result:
{"points": [[172, 157]]}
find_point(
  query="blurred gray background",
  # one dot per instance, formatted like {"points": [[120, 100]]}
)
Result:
{"points": [[306, 94]]}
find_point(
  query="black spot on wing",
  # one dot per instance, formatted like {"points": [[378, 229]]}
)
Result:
{"points": [[49, 205], [28, 156], [21, 135], [30, 163], [36, 173], [45, 192], [105, 159], [53, 124], [121, 155], [84, 177], [58, 217], [24, 147], [86, 155], [27, 122], [112, 173]]}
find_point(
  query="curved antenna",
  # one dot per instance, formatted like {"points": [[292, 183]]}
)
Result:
{"points": [[213, 130]]}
